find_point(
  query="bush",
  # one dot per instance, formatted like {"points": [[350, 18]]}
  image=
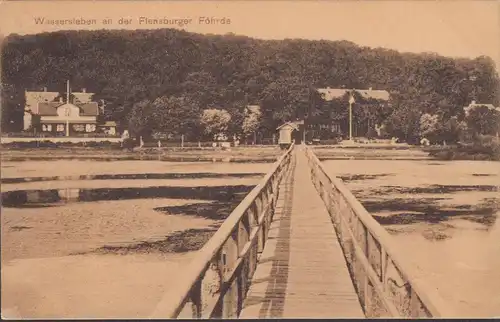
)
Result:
{"points": [[484, 147], [129, 143]]}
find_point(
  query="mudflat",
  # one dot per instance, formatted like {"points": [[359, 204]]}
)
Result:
{"points": [[94, 250]]}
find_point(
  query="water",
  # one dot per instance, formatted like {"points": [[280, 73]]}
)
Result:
{"points": [[134, 176], [52, 197], [444, 218]]}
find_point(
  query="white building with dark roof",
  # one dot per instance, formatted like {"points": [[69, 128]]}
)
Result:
{"points": [[51, 113]]}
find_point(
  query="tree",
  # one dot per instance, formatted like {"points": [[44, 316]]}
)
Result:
{"points": [[404, 124], [177, 115], [453, 130], [215, 123], [483, 120], [220, 71], [429, 127], [251, 122], [141, 120]]}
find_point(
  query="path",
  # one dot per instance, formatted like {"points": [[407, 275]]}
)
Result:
{"points": [[302, 272]]}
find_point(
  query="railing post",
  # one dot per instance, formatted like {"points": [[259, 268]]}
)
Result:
{"points": [[196, 300], [230, 255]]}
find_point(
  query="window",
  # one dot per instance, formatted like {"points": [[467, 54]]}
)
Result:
{"points": [[47, 127], [90, 128], [60, 127], [79, 127]]}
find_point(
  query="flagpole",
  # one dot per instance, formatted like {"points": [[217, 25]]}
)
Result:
{"points": [[350, 120], [351, 101], [67, 102]]}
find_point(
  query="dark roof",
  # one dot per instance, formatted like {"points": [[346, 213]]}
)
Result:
{"points": [[33, 99], [89, 109], [293, 125], [50, 108]]}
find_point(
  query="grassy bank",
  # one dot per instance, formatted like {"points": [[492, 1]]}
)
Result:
{"points": [[102, 152], [484, 148]]}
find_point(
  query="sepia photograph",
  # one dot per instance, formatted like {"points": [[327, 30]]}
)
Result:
{"points": [[250, 159]]}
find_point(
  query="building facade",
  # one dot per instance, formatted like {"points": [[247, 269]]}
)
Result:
{"points": [[53, 114], [341, 126]]}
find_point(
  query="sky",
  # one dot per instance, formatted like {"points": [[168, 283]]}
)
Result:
{"points": [[456, 28]]}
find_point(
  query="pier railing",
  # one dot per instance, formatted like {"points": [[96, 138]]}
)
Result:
{"points": [[385, 287], [215, 283]]}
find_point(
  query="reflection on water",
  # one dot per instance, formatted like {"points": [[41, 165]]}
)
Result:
{"points": [[52, 197], [140, 176]]}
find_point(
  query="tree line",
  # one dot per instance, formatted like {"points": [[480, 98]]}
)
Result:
{"points": [[163, 80]]}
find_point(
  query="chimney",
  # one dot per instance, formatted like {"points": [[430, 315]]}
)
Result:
{"points": [[370, 89], [61, 100], [45, 89], [473, 103], [84, 90]]}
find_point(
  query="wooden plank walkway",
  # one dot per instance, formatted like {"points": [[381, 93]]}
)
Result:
{"points": [[302, 272]]}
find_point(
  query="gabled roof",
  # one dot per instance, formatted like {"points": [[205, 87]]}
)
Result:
{"points": [[50, 108], [333, 93], [289, 124], [89, 109], [374, 94], [33, 98]]}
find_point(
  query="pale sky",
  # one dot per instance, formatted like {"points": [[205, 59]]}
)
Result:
{"points": [[449, 27]]}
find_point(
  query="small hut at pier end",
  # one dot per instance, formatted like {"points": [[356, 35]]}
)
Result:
{"points": [[286, 131]]}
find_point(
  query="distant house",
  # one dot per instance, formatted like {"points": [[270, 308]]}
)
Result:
{"points": [[252, 109], [51, 113], [329, 94], [474, 105]]}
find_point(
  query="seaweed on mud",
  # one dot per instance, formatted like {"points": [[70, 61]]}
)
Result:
{"points": [[433, 189], [178, 242], [218, 210], [19, 228], [411, 211], [357, 177]]}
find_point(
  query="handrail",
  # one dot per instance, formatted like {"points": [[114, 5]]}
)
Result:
{"points": [[373, 261], [230, 255]]}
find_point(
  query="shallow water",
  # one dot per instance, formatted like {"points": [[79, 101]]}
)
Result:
{"points": [[73, 232], [444, 217], [52, 197]]}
